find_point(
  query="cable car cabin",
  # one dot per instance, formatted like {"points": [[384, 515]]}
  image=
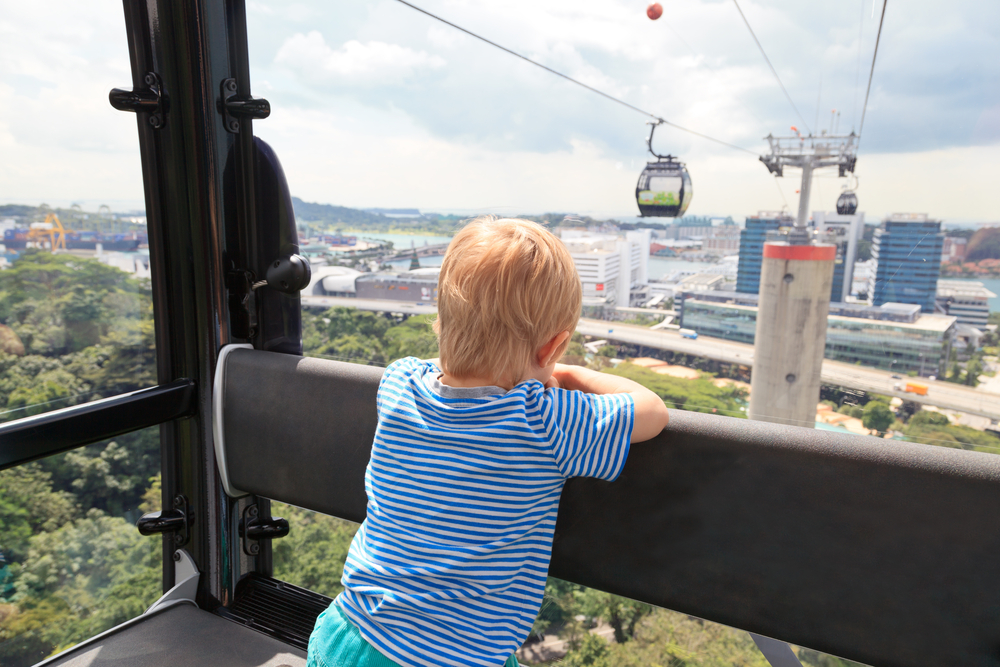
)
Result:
{"points": [[874, 550], [664, 189], [847, 203]]}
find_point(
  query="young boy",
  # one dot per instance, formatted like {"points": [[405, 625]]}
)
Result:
{"points": [[469, 460]]}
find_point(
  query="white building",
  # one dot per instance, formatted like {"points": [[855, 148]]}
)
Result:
{"points": [[610, 266], [964, 299], [845, 231]]}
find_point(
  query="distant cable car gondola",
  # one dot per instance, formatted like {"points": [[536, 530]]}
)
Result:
{"points": [[847, 203], [664, 187]]}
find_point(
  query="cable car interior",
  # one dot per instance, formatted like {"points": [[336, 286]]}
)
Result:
{"points": [[818, 539]]}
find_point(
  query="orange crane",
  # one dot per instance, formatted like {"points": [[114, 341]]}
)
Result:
{"points": [[52, 230]]}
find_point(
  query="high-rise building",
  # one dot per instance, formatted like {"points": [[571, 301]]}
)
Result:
{"points": [[907, 253], [752, 239], [844, 231], [609, 265]]}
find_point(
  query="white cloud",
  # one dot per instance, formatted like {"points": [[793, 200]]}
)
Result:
{"points": [[370, 62], [345, 160], [353, 85], [61, 140]]}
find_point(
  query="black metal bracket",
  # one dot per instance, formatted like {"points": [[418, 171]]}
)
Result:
{"points": [[253, 529], [177, 521], [234, 107], [290, 275], [152, 100], [847, 166], [773, 165], [649, 141], [242, 303]]}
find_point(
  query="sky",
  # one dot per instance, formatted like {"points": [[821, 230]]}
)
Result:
{"points": [[377, 105]]}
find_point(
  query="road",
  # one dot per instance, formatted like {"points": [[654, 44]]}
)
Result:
{"points": [[377, 305], [940, 394]]}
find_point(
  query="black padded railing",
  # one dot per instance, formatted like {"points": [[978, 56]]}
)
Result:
{"points": [[878, 551], [49, 433]]}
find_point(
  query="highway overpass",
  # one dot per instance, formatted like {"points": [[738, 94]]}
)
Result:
{"points": [[941, 394]]}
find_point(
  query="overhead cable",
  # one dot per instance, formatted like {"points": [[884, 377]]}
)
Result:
{"points": [[773, 71], [857, 72], [572, 80], [872, 72]]}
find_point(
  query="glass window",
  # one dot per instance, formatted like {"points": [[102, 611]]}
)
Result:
{"points": [[75, 308], [358, 92], [72, 564], [76, 324], [313, 553]]}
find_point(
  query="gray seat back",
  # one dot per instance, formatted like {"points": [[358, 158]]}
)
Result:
{"points": [[879, 551]]}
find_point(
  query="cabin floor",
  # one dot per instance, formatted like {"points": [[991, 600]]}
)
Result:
{"points": [[180, 634]]}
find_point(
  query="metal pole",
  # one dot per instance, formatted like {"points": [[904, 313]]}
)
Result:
{"points": [[804, 190]]}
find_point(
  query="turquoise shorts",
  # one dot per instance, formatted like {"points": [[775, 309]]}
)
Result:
{"points": [[336, 642]]}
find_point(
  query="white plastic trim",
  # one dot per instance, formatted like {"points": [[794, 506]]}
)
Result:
{"points": [[186, 578], [217, 421]]}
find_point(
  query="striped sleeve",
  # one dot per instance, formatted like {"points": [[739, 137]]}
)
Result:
{"points": [[590, 433], [396, 370]]}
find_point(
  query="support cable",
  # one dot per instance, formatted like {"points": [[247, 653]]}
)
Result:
{"points": [[871, 74], [768, 61], [572, 80], [857, 72]]}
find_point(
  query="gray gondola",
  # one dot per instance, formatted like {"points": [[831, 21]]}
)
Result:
{"points": [[664, 188], [847, 203]]}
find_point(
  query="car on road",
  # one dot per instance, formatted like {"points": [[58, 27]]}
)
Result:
{"points": [[896, 377]]}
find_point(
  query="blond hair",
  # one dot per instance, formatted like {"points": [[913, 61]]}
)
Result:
{"points": [[507, 286]]}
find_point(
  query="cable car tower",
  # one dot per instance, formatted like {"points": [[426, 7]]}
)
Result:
{"points": [[795, 283], [808, 154]]}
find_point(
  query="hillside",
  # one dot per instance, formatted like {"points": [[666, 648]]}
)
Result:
{"points": [[984, 244], [334, 215]]}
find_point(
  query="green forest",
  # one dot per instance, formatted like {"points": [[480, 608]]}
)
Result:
{"points": [[74, 330]]}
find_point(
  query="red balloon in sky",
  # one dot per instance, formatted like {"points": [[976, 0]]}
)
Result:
{"points": [[654, 11]]}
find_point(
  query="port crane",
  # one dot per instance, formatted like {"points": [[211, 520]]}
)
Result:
{"points": [[51, 230]]}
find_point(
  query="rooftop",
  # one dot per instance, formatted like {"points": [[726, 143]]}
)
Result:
{"points": [[898, 314], [963, 289]]}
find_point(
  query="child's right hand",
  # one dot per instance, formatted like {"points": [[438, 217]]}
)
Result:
{"points": [[650, 412]]}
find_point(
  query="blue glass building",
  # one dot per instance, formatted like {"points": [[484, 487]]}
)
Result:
{"points": [[838, 274], [752, 238], [907, 254]]}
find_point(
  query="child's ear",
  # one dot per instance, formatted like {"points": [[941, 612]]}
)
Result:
{"points": [[552, 350]]}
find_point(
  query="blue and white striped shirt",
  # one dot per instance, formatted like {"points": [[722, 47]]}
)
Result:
{"points": [[463, 489]]}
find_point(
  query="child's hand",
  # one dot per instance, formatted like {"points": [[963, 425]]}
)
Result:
{"points": [[651, 414]]}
